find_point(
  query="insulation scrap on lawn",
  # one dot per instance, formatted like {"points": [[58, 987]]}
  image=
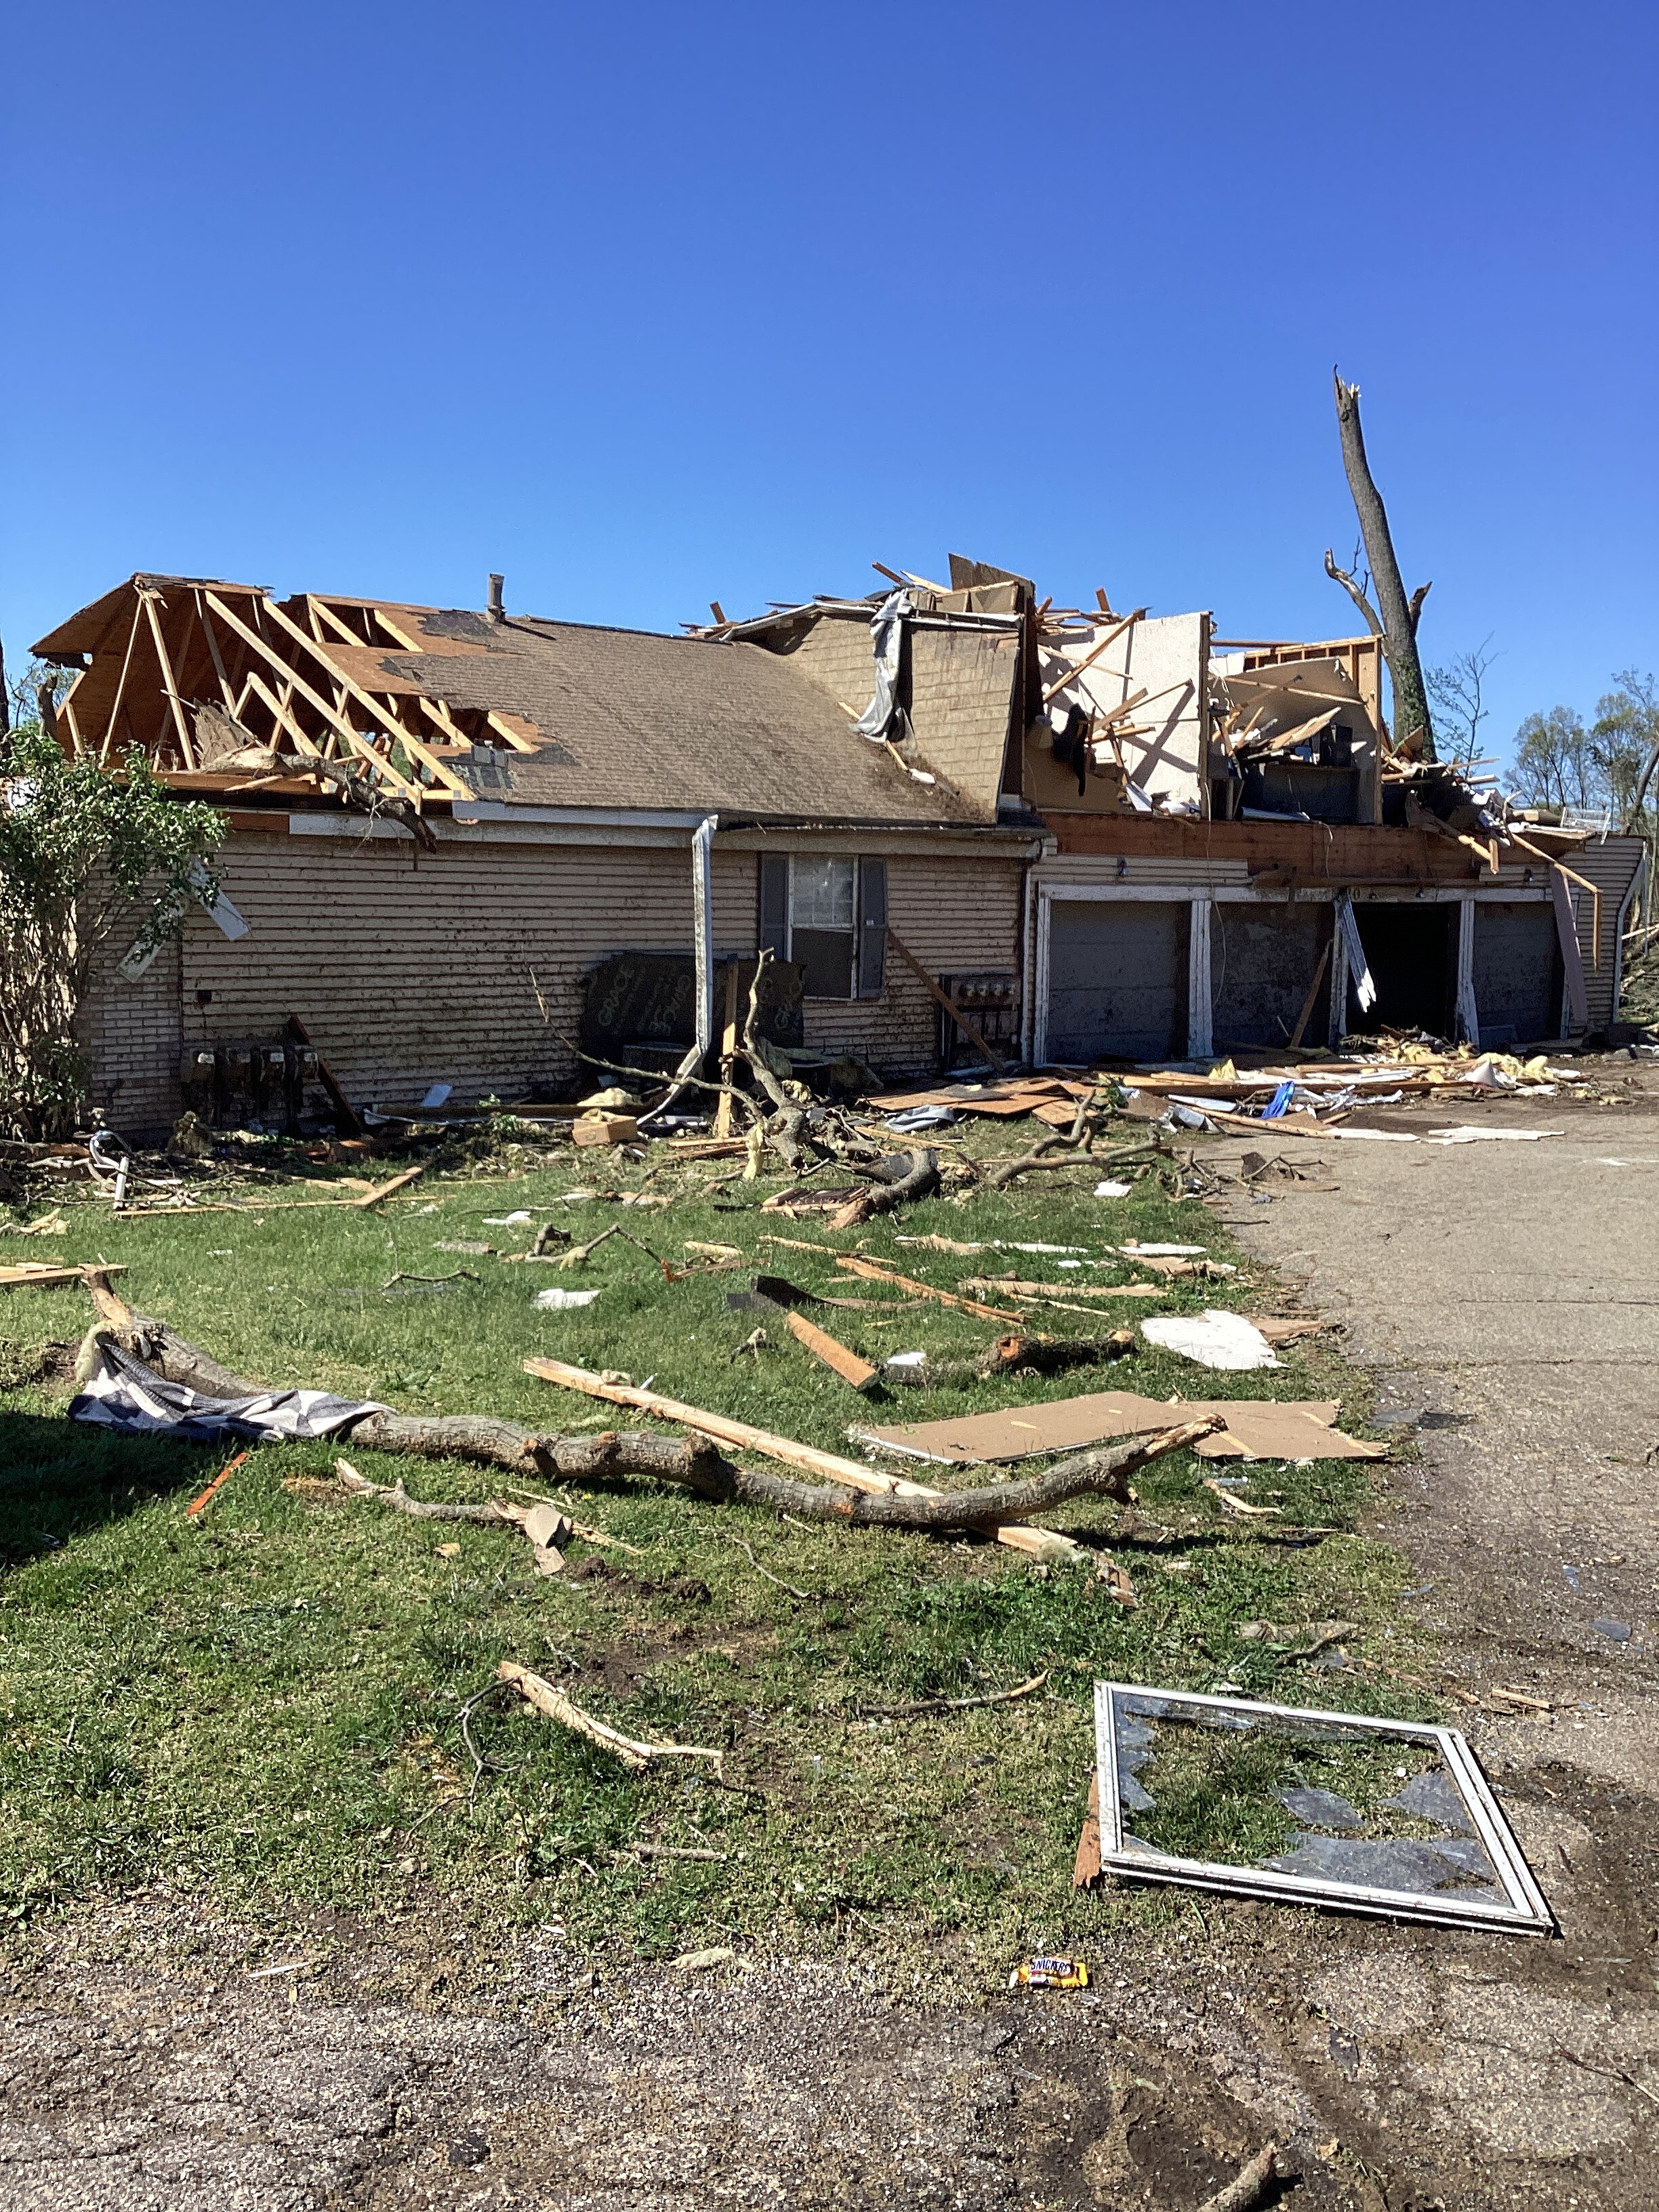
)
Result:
{"points": [[1256, 1429]]}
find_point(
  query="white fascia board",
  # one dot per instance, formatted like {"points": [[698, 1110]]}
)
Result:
{"points": [[581, 817], [891, 838]]}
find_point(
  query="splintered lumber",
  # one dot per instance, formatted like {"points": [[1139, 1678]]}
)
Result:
{"points": [[871, 1270], [36, 1275], [1008, 1286], [1311, 1000], [344, 1111], [993, 1058], [845, 1362], [546, 1699], [385, 1189]]}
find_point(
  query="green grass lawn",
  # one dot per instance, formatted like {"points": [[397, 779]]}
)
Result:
{"points": [[268, 1701]]}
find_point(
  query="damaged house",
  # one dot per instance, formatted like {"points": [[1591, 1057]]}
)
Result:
{"points": [[460, 842]]}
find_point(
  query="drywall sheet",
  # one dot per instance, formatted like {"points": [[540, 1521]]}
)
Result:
{"points": [[1162, 739], [1256, 1429], [1117, 978]]}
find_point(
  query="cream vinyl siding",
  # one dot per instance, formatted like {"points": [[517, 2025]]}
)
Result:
{"points": [[459, 966]]}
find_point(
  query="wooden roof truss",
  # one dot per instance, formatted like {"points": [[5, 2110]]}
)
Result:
{"points": [[296, 680]]}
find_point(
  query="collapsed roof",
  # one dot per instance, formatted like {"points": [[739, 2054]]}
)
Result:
{"points": [[232, 691]]}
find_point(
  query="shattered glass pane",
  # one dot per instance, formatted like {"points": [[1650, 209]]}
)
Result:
{"points": [[1229, 1786]]}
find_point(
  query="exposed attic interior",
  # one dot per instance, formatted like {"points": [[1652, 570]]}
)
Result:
{"points": [[224, 683]]}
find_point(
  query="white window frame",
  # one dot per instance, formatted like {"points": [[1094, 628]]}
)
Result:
{"points": [[857, 866]]}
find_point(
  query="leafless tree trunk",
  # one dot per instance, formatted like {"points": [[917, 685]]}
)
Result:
{"points": [[1411, 699]]}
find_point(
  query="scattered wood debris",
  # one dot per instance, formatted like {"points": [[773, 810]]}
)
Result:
{"points": [[634, 1755]]}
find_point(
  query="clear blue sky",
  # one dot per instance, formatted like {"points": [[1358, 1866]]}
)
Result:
{"points": [[650, 306]]}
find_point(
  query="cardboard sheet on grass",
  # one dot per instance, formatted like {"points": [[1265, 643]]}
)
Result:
{"points": [[1256, 1428]]}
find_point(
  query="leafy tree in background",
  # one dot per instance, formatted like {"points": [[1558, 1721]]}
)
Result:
{"points": [[1553, 766], [86, 852]]}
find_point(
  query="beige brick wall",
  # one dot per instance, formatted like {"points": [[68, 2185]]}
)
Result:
{"points": [[130, 1035]]}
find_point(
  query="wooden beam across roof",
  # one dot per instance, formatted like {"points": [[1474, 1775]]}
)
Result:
{"points": [[369, 703]]}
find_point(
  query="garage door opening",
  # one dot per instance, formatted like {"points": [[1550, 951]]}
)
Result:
{"points": [[1117, 979], [1412, 952], [1517, 973], [1262, 960]]}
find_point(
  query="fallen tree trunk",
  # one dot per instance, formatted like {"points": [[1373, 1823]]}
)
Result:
{"points": [[862, 1496], [919, 1179], [1103, 1473]]}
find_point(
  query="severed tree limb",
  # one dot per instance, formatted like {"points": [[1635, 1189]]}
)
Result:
{"points": [[1102, 1474], [919, 1179], [1058, 1152], [1355, 591], [1047, 1355], [694, 1462], [634, 1755]]}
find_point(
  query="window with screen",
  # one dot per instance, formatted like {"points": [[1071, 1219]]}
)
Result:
{"points": [[828, 916], [821, 933]]}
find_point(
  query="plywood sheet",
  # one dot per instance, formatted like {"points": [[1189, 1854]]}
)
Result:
{"points": [[1256, 1429]]}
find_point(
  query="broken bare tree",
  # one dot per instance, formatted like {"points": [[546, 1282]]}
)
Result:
{"points": [[1412, 732]]}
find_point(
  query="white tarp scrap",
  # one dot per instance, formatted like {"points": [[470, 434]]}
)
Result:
{"points": [[887, 636], [1213, 1339], [1359, 973], [122, 1393]]}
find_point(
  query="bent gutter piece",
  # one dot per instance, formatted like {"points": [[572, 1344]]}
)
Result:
{"points": [[702, 949]]}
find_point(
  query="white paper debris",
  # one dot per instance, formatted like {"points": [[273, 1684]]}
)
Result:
{"points": [[1213, 1339], [1489, 1136], [906, 1360], [557, 1301], [1163, 1251], [504, 1220], [1112, 1190]]}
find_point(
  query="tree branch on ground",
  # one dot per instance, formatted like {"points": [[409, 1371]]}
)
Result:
{"points": [[694, 1463]]}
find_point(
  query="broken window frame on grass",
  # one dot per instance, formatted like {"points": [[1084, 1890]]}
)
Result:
{"points": [[1523, 1911]]}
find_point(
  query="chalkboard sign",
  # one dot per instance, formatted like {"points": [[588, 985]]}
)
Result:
{"points": [[651, 998]]}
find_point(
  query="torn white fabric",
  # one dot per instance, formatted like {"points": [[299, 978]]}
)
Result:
{"points": [[122, 1393], [887, 637], [557, 1301], [1213, 1339], [1359, 973], [1110, 1189]]}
